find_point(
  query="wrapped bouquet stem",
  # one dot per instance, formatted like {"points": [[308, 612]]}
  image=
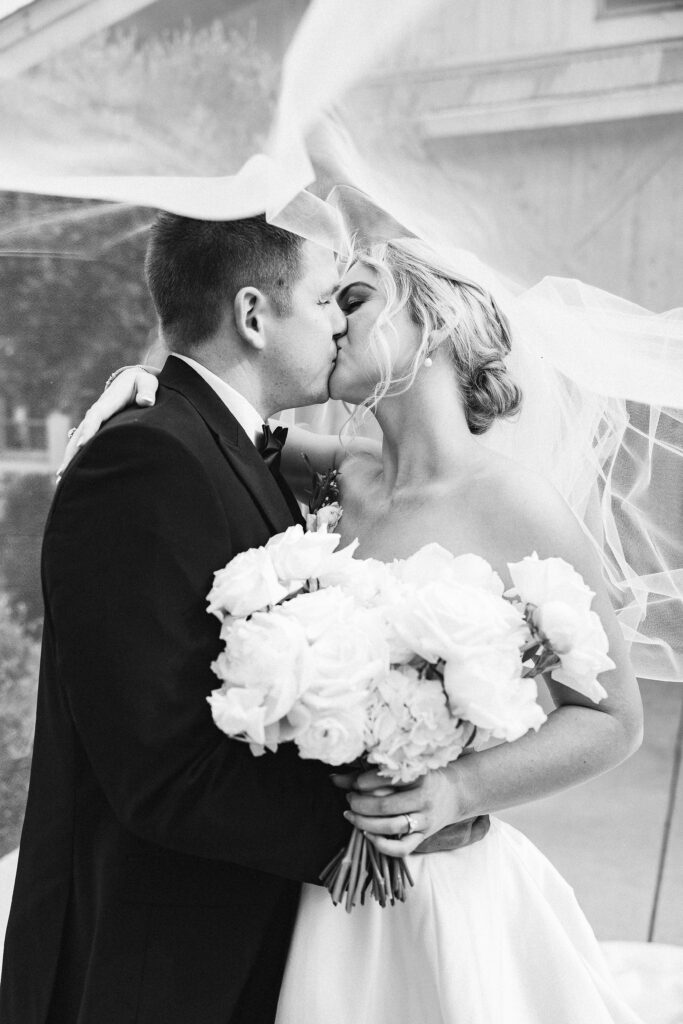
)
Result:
{"points": [[359, 868]]}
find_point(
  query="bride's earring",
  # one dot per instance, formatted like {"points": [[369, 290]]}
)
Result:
{"points": [[428, 361]]}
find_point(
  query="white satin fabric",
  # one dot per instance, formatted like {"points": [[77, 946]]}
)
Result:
{"points": [[491, 934]]}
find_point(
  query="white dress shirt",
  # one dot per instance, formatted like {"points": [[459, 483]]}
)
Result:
{"points": [[244, 412]]}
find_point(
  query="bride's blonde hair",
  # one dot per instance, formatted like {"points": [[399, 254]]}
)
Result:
{"points": [[451, 311]]}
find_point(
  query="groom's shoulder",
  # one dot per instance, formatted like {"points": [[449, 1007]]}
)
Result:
{"points": [[172, 417], [168, 435]]}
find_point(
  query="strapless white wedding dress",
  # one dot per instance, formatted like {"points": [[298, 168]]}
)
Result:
{"points": [[491, 934]]}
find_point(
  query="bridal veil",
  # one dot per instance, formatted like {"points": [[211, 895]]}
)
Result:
{"points": [[123, 128]]}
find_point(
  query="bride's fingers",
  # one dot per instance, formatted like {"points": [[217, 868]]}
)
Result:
{"points": [[393, 827], [380, 804], [146, 385], [372, 780], [134, 384], [69, 452], [369, 780], [86, 429], [397, 847]]}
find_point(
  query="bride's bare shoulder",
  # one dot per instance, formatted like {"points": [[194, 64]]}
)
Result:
{"points": [[528, 513]]}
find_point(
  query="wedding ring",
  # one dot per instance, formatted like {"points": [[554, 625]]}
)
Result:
{"points": [[409, 823], [112, 377], [72, 432]]}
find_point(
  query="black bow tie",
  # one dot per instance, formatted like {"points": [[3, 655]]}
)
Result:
{"points": [[270, 446]]}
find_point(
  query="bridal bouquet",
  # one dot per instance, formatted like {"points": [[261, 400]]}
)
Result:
{"points": [[399, 665]]}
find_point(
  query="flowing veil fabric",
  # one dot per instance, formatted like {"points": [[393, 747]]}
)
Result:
{"points": [[131, 127]]}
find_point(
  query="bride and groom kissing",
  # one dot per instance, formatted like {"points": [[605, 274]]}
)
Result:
{"points": [[161, 864]]}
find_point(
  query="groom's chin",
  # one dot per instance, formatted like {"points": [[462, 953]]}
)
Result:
{"points": [[318, 396], [333, 387]]}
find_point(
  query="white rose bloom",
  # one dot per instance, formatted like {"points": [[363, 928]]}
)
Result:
{"points": [[559, 623], [580, 666], [441, 615], [473, 571], [434, 562], [351, 653], [241, 713], [325, 519], [367, 580], [269, 655], [485, 686], [299, 556], [335, 738], [538, 580], [319, 611], [431, 562], [247, 584]]}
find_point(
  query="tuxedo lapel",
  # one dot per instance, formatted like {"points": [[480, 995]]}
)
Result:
{"points": [[261, 483], [277, 503]]}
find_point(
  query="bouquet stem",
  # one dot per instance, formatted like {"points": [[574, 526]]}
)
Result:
{"points": [[359, 868]]}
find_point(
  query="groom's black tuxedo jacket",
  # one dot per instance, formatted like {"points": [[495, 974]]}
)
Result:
{"points": [[160, 862]]}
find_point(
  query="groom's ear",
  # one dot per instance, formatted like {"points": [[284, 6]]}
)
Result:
{"points": [[250, 306]]}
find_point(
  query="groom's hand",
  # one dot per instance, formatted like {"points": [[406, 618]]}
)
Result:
{"points": [[427, 816]]}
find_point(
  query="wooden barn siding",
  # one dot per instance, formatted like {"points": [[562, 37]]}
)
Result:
{"points": [[601, 202], [464, 31]]}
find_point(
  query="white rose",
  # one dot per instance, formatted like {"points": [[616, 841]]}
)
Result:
{"points": [[473, 571], [335, 738], [559, 623], [299, 556], [365, 579], [580, 666], [247, 584], [485, 687], [351, 652], [325, 519], [432, 562], [538, 580], [439, 616], [268, 654], [240, 713], [319, 611]]}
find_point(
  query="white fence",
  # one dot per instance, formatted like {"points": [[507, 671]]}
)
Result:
{"points": [[33, 446]]}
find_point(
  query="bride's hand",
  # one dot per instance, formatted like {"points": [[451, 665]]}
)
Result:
{"points": [[134, 385], [385, 813]]}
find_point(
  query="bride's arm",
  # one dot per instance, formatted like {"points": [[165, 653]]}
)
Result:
{"points": [[304, 449], [580, 739], [131, 385], [137, 385]]}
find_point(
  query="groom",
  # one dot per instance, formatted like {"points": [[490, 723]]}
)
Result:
{"points": [[160, 861]]}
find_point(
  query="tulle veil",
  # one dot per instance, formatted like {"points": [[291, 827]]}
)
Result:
{"points": [[602, 377]]}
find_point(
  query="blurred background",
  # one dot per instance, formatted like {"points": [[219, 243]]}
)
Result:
{"points": [[557, 126]]}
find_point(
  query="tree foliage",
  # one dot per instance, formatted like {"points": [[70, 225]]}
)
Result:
{"points": [[26, 505], [19, 661], [73, 300]]}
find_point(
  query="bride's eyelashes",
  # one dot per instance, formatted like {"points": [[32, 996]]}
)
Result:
{"points": [[351, 300]]}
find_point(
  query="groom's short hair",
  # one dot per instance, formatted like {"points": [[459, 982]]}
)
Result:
{"points": [[195, 268]]}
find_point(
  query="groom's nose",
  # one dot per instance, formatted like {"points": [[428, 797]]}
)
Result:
{"points": [[338, 322]]}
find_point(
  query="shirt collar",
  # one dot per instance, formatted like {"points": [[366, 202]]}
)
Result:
{"points": [[244, 412]]}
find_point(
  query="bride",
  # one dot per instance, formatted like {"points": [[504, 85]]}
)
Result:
{"points": [[490, 933]]}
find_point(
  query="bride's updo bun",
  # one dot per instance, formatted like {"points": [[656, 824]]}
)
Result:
{"points": [[450, 310], [490, 392]]}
